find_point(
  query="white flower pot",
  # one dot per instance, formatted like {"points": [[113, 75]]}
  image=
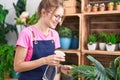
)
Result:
{"points": [[102, 46], [119, 45], [92, 46], [110, 47]]}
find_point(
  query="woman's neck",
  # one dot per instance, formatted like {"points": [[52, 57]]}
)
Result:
{"points": [[42, 27]]}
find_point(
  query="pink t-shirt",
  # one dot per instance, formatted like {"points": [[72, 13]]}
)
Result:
{"points": [[26, 39]]}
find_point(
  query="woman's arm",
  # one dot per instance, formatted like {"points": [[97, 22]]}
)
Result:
{"points": [[21, 65]]}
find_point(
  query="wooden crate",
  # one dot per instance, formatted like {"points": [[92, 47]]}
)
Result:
{"points": [[100, 23], [92, 2], [72, 6]]}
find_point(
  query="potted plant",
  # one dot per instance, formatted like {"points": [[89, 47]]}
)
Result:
{"points": [[75, 39], [102, 40], [91, 42], [4, 27], [21, 14], [117, 5], [117, 41], [110, 6], [97, 71], [3, 14], [88, 8], [102, 7], [111, 42], [95, 8], [65, 34], [6, 60]]}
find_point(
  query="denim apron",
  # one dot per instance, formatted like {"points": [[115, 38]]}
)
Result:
{"points": [[41, 48]]}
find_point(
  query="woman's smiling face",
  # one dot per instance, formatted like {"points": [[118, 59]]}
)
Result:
{"points": [[54, 18]]}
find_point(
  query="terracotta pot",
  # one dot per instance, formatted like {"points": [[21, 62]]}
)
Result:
{"points": [[117, 7], [101, 8], [88, 9], [94, 9], [110, 8]]}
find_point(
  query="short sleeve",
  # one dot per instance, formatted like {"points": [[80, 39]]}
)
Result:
{"points": [[24, 38], [57, 40]]}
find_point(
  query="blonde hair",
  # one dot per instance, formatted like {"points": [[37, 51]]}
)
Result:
{"points": [[48, 5]]}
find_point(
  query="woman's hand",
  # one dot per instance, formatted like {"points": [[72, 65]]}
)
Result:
{"points": [[54, 60], [65, 69]]}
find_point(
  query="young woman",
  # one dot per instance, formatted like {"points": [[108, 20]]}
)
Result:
{"points": [[36, 44]]}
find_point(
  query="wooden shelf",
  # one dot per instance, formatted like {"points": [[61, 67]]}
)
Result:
{"points": [[101, 13], [70, 51], [77, 14], [101, 52]]}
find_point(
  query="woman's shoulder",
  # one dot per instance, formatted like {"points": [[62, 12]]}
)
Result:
{"points": [[27, 31], [54, 31]]}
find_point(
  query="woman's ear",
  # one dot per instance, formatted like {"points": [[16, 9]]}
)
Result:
{"points": [[43, 12]]}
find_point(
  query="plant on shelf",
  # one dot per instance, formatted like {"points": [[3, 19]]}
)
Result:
{"points": [[102, 36], [117, 41], [110, 6], [92, 42], [102, 7], [88, 8], [6, 60], [95, 7], [98, 71], [75, 39], [117, 5], [111, 42], [65, 34]]}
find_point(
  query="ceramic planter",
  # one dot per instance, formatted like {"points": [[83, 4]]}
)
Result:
{"points": [[88, 9], [74, 43], [95, 9], [117, 7], [110, 8], [15, 74], [101, 9], [102, 46], [119, 45], [110, 47], [65, 43], [92, 46]]}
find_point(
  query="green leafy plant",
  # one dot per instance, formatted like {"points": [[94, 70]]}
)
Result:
{"points": [[117, 2], [111, 39], [4, 27], [65, 32], [33, 19], [102, 36], [19, 7], [117, 38], [110, 4], [92, 38], [75, 33], [6, 59], [89, 6], [98, 71], [102, 5]]}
